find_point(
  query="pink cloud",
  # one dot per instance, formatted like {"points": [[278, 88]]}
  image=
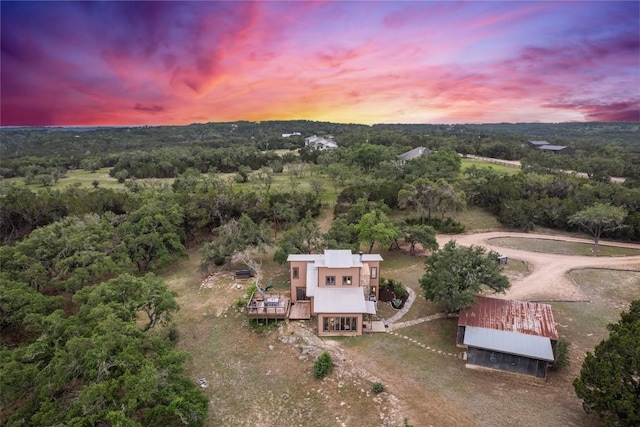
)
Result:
{"points": [[624, 111]]}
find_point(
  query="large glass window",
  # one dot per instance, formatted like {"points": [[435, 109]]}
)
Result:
{"points": [[330, 281], [346, 280], [295, 272], [330, 324]]}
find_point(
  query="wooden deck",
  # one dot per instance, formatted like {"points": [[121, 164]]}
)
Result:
{"points": [[272, 306], [300, 310]]}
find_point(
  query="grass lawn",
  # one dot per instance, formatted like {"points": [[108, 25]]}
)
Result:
{"points": [[583, 324], [75, 177], [562, 248], [509, 170], [516, 269], [478, 219]]}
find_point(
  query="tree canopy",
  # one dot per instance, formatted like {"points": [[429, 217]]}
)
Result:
{"points": [[97, 366], [376, 227], [454, 274], [609, 381], [599, 218]]}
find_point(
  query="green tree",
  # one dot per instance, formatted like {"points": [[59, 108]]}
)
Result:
{"points": [[444, 163], [599, 218], [425, 235], [303, 239], [420, 195], [376, 227], [283, 213], [67, 254], [234, 237], [263, 179], [342, 235], [338, 174], [427, 197], [153, 233], [609, 381], [22, 309], [369, 156], [323, 365], [454, 274], [122, 175], [449, 199], [98, 367], [601, 168], [129, 296], [186, 182]]}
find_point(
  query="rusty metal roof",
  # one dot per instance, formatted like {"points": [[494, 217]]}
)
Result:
{"points": [[524, 317]]}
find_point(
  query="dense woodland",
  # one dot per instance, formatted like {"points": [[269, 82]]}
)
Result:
{"points": [[85, 323]]}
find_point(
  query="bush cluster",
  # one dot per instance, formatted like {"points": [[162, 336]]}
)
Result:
{"points": [[377, 387], [323, 365]]}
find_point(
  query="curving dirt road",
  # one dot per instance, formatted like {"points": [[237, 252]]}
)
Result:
{"points": [[548, 277]]}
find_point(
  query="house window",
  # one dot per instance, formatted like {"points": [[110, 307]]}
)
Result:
{"points": [[374, 272], [330, 324], [330, 281], [346, 280], [295, 272]]}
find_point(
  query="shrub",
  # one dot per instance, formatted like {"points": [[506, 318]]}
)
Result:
{"points": [[447, 226], [174, 334], [562, 356], [377, 388], [263, 326], [396, 302], [323, 365], [399, 290]]}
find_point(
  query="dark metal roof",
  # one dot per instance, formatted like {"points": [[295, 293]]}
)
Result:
{"points": [[524, 317], [550, 147], [527, 345]]}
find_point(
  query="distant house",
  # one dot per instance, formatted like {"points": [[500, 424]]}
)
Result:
{"points": [[536, 144], [287, 135], [511, 336], [338, 287], [413, 154], [320, 143], [550, 148], [557, 149]]}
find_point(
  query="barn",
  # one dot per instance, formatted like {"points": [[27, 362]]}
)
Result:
{"points": [[517, 337]]}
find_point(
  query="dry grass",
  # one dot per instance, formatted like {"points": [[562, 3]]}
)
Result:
{"points": [[262, 378], [478, 219], [559, 247], [515, 269]]}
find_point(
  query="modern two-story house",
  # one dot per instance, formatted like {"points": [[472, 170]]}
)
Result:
{"points": [[339, 286]]}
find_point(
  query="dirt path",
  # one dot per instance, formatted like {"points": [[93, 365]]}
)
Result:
{"points": [[548, 279]]}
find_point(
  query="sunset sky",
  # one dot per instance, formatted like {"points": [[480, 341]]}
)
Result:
{"points": [[155, 63]]}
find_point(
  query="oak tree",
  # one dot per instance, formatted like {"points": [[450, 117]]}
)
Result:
{"points": [[455, 274], [599, 218]]}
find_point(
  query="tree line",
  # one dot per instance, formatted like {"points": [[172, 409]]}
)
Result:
{"points": [[32, 152]]}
